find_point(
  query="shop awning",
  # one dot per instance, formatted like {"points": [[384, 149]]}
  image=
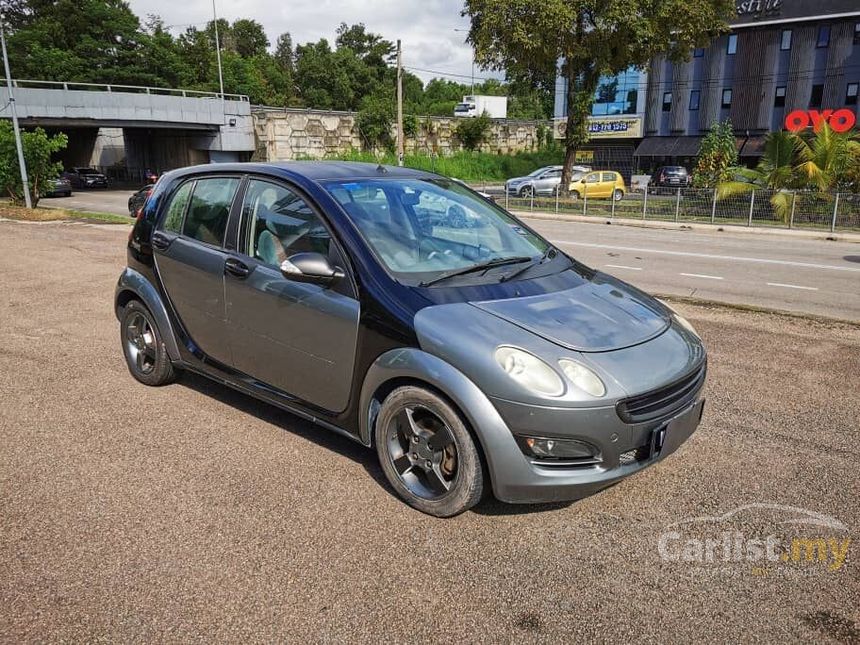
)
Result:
{"points": [[753, 147], [669, 147]]}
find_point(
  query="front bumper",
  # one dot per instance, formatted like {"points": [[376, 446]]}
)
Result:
{"points": [[623, 449]]}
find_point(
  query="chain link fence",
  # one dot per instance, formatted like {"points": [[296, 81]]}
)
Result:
{"points": [[780, 209]]}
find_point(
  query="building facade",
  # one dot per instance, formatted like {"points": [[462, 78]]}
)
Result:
{"points": [[780, 56]]}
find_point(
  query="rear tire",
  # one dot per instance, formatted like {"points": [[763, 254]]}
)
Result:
{"points": [[143, 347], [618, 195], [427, 453]]}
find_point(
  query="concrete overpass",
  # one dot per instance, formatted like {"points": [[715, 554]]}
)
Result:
{"points": [[136, 127]]}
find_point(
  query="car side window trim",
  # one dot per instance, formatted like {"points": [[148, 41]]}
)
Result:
{"points": [[246, 221]]}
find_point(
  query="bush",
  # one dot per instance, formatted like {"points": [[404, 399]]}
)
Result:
{"points": [[473, 132], [717, 154], [374, 121], [468, 166], [38, 148]]}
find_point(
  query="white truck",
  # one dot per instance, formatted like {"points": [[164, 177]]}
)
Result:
{"points": [[496, 107]]}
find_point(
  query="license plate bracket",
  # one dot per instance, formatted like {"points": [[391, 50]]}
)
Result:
{"points": [[667, 438]]}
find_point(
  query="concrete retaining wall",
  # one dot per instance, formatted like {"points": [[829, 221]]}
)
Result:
{"points": [[294, 134]]}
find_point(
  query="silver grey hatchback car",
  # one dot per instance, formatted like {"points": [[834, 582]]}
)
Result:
{"points": [[472, 358]]}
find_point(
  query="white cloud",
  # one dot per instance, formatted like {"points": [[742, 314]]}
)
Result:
{"points": [[425, 27]]}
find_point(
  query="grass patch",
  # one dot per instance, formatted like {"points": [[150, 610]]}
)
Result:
{"points": [[468, 166], [22, 214]]}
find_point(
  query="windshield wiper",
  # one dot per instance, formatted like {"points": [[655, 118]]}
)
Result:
{"points": [[543, 258], [489, 264]]}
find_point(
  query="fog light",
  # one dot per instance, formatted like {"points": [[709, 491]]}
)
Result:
{"points": [[551, 448]]}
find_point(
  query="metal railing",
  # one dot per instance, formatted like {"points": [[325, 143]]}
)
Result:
{"points": [[133, 89], [769, 208]]}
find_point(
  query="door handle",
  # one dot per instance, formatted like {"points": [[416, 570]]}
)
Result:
{"points": [[236, 267], [160, 241]]}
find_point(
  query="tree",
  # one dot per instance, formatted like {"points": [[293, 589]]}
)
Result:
{"points": [[248, 38], [38, 149], [822, 161], [589, 40], [375, 118], [324, 84], [825, 158], [717, 154], [94, 41], [776, 171]]}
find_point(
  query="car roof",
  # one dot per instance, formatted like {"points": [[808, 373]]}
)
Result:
{"points": [[314, 170]]}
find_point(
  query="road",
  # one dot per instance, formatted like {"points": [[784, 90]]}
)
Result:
{"points": [[768, 270], [765, 270], [190, 513], [102, 201]]}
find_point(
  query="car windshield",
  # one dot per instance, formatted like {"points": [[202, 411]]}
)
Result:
{"points": [[87, 171], [422, 228]]}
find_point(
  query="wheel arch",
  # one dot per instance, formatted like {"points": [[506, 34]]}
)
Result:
{"points": [[412, 366], [134, 286]]}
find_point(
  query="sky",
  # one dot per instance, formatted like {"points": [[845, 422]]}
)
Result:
{"points": [[425, 27]]}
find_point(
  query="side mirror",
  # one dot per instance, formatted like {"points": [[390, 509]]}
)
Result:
{"points": [[311, 267]]}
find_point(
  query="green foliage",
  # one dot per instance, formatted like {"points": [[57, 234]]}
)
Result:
{"points": [[374, 121], [465, 165], [410, 125], [38, 148], [102, 41], [823, 162], [527, 38], [472, 132], [717, 153]]}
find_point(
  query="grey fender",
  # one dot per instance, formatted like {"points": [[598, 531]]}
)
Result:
{"points": [[493, 434], [133, 284]]}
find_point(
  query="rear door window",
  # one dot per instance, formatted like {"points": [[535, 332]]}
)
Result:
{"points": [[609, 176], [209, 209], [176, 209]]}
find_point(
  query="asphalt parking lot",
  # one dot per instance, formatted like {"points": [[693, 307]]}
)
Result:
{"points": [[191, 513]]}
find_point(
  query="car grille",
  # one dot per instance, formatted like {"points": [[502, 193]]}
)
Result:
{"points": [[663, 402]]}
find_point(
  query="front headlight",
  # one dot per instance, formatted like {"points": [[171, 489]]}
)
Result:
{"points": [[529, 371], [582, 377]]}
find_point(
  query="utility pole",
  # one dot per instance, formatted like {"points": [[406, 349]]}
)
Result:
{"points": [[399, 106], [218, 51], [27, 201]]}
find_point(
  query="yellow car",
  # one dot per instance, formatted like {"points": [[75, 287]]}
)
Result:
{"points": [[599, 184]]}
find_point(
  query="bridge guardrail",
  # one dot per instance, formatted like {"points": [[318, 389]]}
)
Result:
{"points": [[134, 89]]}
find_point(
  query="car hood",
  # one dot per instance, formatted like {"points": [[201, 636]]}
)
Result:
{"points": [[518, 180], [599, 315]]}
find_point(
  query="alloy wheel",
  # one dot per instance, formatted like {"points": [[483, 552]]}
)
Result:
{"points": [[423, 452], [140, 342]]}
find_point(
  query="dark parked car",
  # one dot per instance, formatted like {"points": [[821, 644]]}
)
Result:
{"points": [[471, 359], [673, 177], [86, 178], [138, 199], [60, 187]]}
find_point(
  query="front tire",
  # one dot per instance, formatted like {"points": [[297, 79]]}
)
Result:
{"points": [[526, 192], [427, 453], [143, 347]]}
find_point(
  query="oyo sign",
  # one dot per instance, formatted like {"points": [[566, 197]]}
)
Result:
{"points": [[838, 120]]}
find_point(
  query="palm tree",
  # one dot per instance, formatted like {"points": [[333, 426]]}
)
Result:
{"points": [[775, 171], [826, 158]]}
